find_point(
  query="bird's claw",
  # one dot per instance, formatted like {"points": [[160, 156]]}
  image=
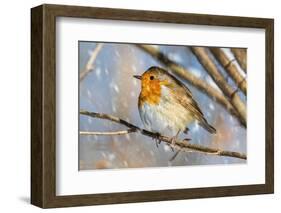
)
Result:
{"points": [[187, 139], [186, 131], [157, 139]]}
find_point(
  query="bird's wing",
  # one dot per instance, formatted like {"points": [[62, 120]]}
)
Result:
{"points": [[183, 95]]}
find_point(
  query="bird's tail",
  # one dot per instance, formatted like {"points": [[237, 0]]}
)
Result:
{"points": [[207, 126]]}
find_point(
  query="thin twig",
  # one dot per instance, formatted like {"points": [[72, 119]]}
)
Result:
{"points": [[188, 76], [241, 56], [89, 66], [203, 57], [179, 145], [174, 156], [123, 132], [230, 68]]}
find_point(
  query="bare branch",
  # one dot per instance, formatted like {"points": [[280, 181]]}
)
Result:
{"points": [[195, 81], [241, 56], [89, 66], [179, 145], [210, 67], [123, 132], [230, 68]]}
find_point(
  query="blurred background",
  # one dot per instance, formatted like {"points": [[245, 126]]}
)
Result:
{"points": [[107, 86]]}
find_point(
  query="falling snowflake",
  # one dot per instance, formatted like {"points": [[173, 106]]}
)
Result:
{"points": [[90, 52], [195, 128], [106, 71], [196, 72], [113, 108], [135, 82], [212, 83], [114, 87], [231, 119], [211, 106], [117, 54], [230, 55], [89, 94], [134, 68], [98, 72], [175, 57], [167, 148], [89, 121]]}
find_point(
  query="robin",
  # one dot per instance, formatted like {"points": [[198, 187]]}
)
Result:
{"points": [[167, 104]]}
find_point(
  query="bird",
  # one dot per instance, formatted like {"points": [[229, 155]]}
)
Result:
{"points": [[165, 104]]}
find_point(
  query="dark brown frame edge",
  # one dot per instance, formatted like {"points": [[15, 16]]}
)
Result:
{"points": [[43, 105]]}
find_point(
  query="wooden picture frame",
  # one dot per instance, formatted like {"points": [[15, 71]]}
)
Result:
{"points": [[43, 105]]}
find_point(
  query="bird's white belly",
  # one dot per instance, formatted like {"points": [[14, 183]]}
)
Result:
{"points": [[165, 117]]}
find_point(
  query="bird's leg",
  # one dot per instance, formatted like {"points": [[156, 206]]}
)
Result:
{"points": [[173, 140], [186, 132], [157, 139]]}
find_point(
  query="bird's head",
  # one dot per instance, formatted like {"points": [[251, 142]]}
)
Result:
{"points": [[154, 78], [152, 82]]}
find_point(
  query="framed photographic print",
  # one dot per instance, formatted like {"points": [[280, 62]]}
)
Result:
{"points": [[135, 106]]}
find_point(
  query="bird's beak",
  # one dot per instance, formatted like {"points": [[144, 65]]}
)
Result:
{"points": [[137, 77]]}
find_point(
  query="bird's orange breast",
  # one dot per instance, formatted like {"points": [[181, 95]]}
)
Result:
{"points": [[150, 92]]}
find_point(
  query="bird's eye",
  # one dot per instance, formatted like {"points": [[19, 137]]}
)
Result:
{"points": [[151, 77]]}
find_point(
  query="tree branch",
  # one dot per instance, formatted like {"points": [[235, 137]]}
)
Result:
{"points": [[179, 145], [241, 56], [89, 66], [122, 132], [195, 81], [203, 57], [230, 68]]}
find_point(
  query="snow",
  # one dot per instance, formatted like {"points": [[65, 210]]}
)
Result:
{"points": [[212, 83], [113, 108], [211, 106], [195, 128], [196, 72], [167, 148], [175, 57], [104, 87], [230, 55], [135, 82], [89, 93], [114, 86], [98, 72], [106, 71]]}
